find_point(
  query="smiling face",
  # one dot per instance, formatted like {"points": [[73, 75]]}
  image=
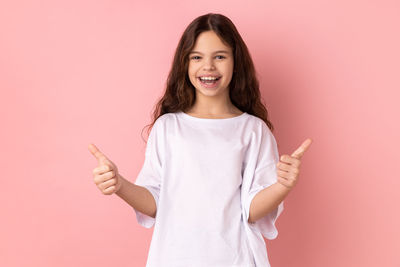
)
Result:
{"points": [[210, 57]]}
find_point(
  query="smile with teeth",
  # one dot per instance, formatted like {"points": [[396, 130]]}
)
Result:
{"points": [[209, 80]]}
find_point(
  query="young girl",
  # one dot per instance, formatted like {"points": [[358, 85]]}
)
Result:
{"points": [[211, 183]]}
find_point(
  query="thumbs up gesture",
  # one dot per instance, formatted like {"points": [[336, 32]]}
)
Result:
{"points": [[106, 175], [289, 166]]}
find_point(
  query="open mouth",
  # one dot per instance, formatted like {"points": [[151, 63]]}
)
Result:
{"points": [[209, 81]]}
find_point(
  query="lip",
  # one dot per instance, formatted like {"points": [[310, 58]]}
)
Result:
{"points": [[209, 86], [209, 75]]}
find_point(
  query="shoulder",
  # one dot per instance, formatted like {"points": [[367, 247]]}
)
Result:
{"points": [[258, 124], [162, 122], [165, 119], [260, 133]]}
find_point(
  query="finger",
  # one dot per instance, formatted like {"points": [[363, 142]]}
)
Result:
{"points": [[109, 183], [300, 151], [102, 169], [282, 178], [97, 153], [283, 174], [284, 182], [104, 177], [287, 175], [288, 168], [290, 160], [109, 190], [283, 166]]}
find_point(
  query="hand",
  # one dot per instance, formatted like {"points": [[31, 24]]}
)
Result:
{"points": [[289, 166], [106, 175]]}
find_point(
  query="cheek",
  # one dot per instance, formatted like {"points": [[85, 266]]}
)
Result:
{"points": [[228, 68], [192, 76], [228, 74], [191, 72]]}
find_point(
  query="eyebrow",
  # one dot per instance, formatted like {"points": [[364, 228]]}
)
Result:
{"points": [[216, 52]]}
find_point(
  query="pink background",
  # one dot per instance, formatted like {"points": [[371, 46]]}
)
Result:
{"points": [[76, 72]]}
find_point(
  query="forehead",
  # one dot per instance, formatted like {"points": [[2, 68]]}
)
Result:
{"points": [[210, 42]]}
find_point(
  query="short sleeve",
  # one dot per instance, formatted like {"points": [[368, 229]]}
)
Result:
{"points": [[262, 173], [150, 174]]}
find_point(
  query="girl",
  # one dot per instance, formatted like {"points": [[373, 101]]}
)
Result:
{"points": [[211, 183]]}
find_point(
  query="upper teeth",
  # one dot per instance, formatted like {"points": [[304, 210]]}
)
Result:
{"points": [[208, 78]]}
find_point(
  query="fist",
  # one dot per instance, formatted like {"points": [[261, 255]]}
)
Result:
{"points": [[105, 175], [288, 168]]}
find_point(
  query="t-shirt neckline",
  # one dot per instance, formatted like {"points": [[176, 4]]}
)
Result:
{"points": [[209, 120]]}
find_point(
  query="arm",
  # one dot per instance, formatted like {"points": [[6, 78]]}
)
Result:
{"points": [[267, 200], [138, 197]]}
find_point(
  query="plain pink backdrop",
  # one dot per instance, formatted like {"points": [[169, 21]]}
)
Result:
{"points": [[76, 72]]}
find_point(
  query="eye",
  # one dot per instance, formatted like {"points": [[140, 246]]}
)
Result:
{"points": [[221, 57], [194, 57]]}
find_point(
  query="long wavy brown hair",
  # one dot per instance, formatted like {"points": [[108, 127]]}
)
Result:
{"points": [[244, 93]]}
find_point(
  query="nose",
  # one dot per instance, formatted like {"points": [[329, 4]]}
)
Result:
{"points": [[208, 64]]}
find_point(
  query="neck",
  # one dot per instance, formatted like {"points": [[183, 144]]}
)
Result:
{"points": [[213, 105]]}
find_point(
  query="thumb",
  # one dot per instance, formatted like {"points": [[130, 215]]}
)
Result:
{"points": [[303, 147], [101, 158]]}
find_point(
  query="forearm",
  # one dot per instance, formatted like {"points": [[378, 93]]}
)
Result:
{"points": [[267, 200], [137, 197]]}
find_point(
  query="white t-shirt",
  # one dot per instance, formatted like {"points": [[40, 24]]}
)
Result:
{"points": [[203, 174]]}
